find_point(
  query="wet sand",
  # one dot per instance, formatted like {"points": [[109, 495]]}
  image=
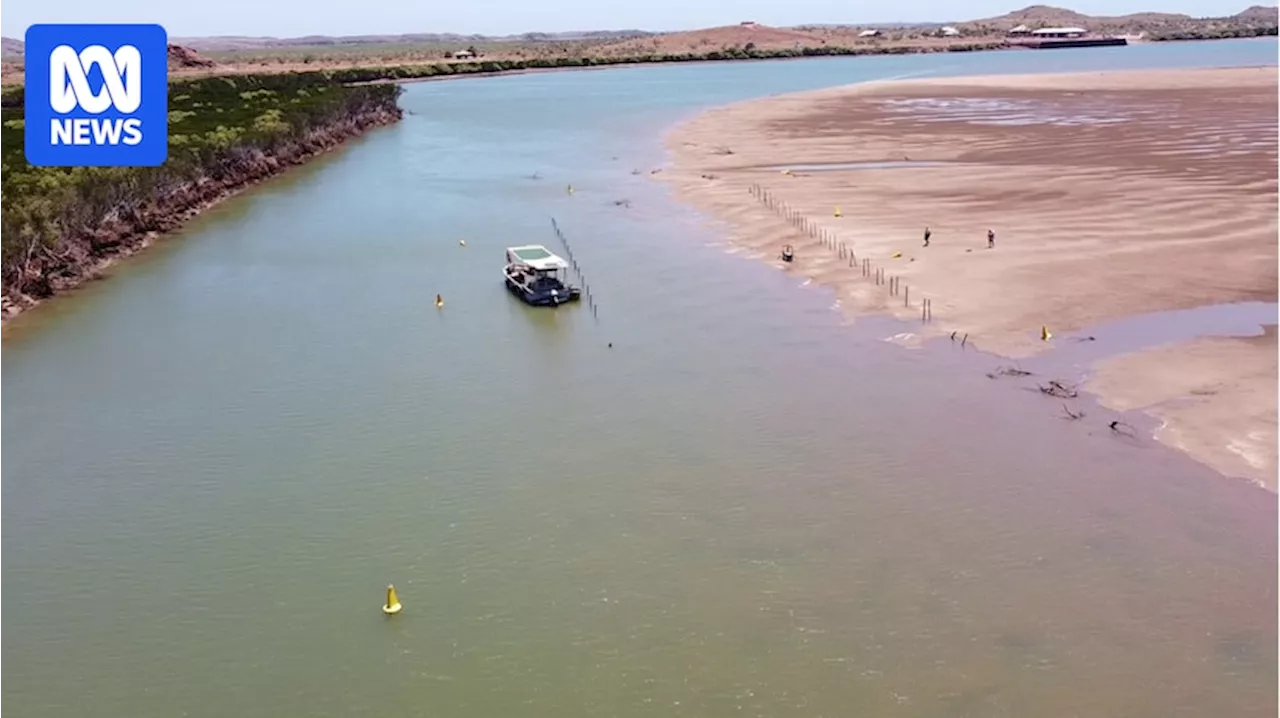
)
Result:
{"points": [[1215, 397], [1110, 194]]}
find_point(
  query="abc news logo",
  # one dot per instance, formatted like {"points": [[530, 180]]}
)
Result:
{"points": [[96, 95], [121, 89]]}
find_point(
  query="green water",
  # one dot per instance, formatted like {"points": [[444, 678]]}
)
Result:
{"points": [[218, 458]]}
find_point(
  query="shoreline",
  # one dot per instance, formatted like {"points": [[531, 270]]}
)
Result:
{"points": [[120, 240], [605, 63], [851, 176]]}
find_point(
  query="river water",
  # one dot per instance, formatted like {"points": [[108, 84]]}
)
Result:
{"points": [[219, 457]]}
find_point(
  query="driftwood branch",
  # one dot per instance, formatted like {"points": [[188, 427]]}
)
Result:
{"points": [[1122, 428], [1008, 371], [1059, 389], [1072, 415]]}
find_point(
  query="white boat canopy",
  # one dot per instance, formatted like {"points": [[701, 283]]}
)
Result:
{"points": [[536, 257]]}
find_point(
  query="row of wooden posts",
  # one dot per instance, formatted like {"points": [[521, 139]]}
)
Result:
{"points": [[586, 288], [843, 250]]}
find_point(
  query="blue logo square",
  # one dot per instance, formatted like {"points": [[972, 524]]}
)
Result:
{"points": [[97, 95]]}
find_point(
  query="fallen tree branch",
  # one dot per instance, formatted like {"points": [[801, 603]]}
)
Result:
{"points": [[1058, 389], [1008, 371]]}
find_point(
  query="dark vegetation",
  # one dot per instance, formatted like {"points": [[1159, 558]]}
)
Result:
{"points": [[224, 132], [1214, 33], [427, 71]]}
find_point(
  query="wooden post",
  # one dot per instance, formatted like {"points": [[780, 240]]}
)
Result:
{"points": [[906, 297], [924, 310]]}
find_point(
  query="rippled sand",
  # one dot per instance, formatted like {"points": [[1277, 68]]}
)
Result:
{"points": [[1110, 194]]}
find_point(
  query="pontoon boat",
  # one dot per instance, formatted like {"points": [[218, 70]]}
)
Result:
{"points": [[538, 277]]}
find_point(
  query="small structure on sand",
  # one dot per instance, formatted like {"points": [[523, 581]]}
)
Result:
{"points": [[869, 33]]}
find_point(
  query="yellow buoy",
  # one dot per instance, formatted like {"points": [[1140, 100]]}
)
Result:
{"points": [[462, 242], [393, 603], [837, 210], [1044, 334], [439, 301], [897, 255], [569, 189]]}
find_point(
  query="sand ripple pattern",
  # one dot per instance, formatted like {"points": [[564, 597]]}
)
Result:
{"points": [[1111, 194]]}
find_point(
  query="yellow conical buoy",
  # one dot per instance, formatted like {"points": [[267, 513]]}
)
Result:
{"points": [[462, 242], [393, 603], [569, 189], [1044, 334], [837, 210], [439, 301], [897, 255]]}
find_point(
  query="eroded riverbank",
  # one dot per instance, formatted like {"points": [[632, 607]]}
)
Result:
{"points": [[65, 226]]}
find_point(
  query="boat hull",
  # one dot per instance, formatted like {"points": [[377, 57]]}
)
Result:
{"points": [[543, 298]]}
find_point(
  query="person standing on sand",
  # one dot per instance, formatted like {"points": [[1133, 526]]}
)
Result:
{"points": [[927, 235], [991, 239]]}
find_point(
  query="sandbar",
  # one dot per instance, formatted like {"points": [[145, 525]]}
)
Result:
{"points": [[1110, 194]]}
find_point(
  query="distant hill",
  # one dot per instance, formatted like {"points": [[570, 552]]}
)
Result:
{"points": [[184, 58], [372, 50], [1041, 15], [1259, 13], [743, 35], [1150, 23], [232, 43], [11, 48]]}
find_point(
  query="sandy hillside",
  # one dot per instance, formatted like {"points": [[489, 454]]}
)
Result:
{"points": [[1110, 194]]}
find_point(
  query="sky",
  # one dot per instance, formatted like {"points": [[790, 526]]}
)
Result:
{"points": [[294, 18]]}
